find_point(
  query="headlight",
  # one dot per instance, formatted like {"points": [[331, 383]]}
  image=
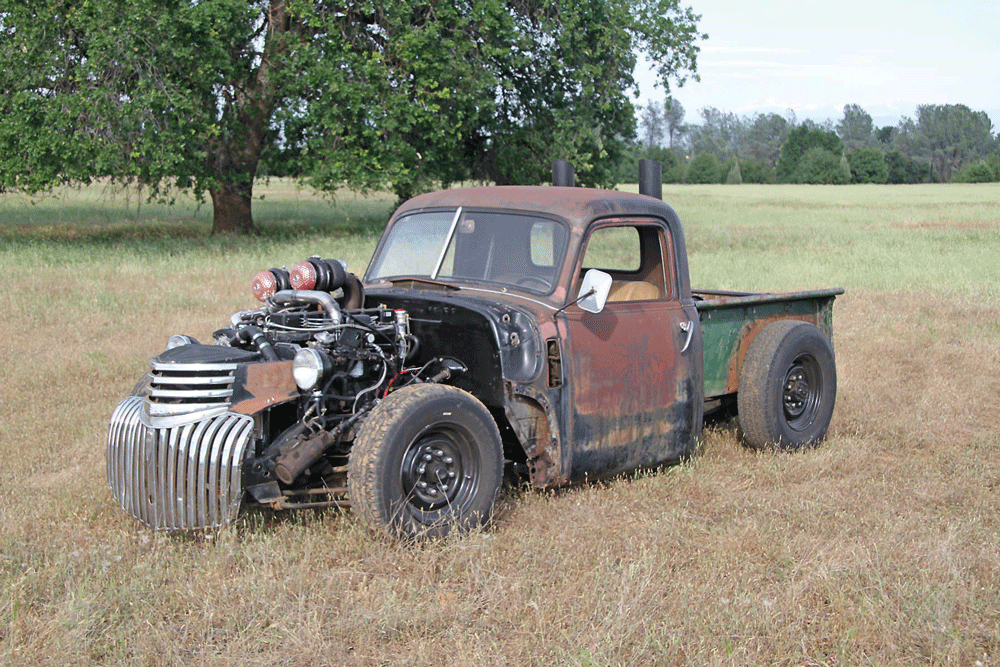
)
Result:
{"points": [[177, 340], [310, 367]]}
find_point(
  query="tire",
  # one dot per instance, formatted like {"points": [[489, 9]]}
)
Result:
{"points": [[429, 460], [788, 386]]}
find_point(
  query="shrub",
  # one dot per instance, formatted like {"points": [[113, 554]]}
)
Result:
{"points": [[993, 162], [733, 175], [800, 142], [822, 167], [906, 170], [979, 172], [868, 166], [750, 169], [703, 168]]}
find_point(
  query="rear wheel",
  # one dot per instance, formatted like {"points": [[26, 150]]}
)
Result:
{"points": [[788, 386], [429, 460]]}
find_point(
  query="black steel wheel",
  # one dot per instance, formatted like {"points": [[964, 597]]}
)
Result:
{"points": [[788, 387], [429, 460]]}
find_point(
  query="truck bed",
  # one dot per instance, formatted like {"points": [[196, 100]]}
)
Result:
{"points": [[730, 320]]}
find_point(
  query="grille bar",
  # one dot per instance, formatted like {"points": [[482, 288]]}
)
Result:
{"points": [[198, 389], [200, 380], [185, 477]]}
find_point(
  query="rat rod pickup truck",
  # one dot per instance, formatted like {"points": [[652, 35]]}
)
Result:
{"points": [[551, 328]]}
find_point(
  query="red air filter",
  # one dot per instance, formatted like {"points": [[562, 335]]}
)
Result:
{"points": [[303, 276], [266, 283]]}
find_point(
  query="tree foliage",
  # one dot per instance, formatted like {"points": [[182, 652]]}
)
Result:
{"points": [[952, 135], [906, 170], [173, 94], [868, 166], [801, 140], [820, 166], [720, 133], [703, 168], [764, 139], [750, 170], [733, 174], [856, 129], [977, 172], [651, 126], [673, 118]]}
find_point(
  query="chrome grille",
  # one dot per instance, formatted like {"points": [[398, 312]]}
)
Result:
{"points": [[181, 392], [180, 477]]}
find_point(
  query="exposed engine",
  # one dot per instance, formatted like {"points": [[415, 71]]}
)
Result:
{"points": [[327, 361]]}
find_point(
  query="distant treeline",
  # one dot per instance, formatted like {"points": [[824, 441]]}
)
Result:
{"points": [[945, 143]]}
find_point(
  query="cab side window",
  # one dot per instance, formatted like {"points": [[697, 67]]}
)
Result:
{"points": [[634, 256]]}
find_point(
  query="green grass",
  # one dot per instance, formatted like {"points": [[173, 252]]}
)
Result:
{"points": [[877, 548], [763, 238], [79, 226]]}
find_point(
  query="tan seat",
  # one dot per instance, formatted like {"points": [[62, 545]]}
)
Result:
{"points": [[633, 290]]}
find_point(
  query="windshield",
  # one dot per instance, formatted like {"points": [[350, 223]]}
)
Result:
{"points": [[473, 246]]}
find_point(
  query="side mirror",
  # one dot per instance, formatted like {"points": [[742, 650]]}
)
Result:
{"points": [[594, 291]]}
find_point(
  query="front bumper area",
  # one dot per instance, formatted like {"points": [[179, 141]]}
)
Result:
{"points": [[177, 477]]}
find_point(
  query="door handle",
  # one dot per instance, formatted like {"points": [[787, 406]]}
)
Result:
{"points": [[688, 328]]}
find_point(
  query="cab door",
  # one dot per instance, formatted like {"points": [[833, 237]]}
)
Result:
{"points": [[635, 368]]}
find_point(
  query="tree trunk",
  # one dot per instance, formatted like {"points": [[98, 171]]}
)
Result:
{"points": [[231, 212]]}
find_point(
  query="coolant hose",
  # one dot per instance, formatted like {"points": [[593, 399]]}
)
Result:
{"points": [[256, 336]]}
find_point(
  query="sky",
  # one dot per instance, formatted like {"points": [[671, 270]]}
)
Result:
{"points": [[814, 57]]}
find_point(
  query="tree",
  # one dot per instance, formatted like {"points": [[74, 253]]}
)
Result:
{"points": [[800, 140], [856, 129], [822, 167], [658, 122], [720, 133], [752, 170], [977, 172], [906, 170], [673, 118], [703, 168], [673, 170], [952, 135], [906, 138], [885, 135], [652, 126], [733, 175], [765, 136], [186, 95], [868, 166]]}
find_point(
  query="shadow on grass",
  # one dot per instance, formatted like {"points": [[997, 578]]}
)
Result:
{"points": [[177, 236]]}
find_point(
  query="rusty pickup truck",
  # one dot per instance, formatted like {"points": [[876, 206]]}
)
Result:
{"points": [[545, 332]]}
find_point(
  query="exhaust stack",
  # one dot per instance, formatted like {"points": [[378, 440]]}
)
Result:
{"points": [[563, 174], [651, 178]]}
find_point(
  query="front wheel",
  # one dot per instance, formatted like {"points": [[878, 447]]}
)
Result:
{"points": [[429, 460], [788, 385]]}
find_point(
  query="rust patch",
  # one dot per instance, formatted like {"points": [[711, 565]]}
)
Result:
{"points": [[534, 422], [746, 340]]}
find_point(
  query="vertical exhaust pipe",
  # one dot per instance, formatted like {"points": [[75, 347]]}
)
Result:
{"points": [[651, 178], [563, 174]]}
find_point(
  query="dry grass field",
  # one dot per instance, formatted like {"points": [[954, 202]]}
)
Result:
{"points": [[880, 547]]}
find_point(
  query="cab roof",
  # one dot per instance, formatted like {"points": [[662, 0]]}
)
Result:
{"points": [[578, 206]]}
